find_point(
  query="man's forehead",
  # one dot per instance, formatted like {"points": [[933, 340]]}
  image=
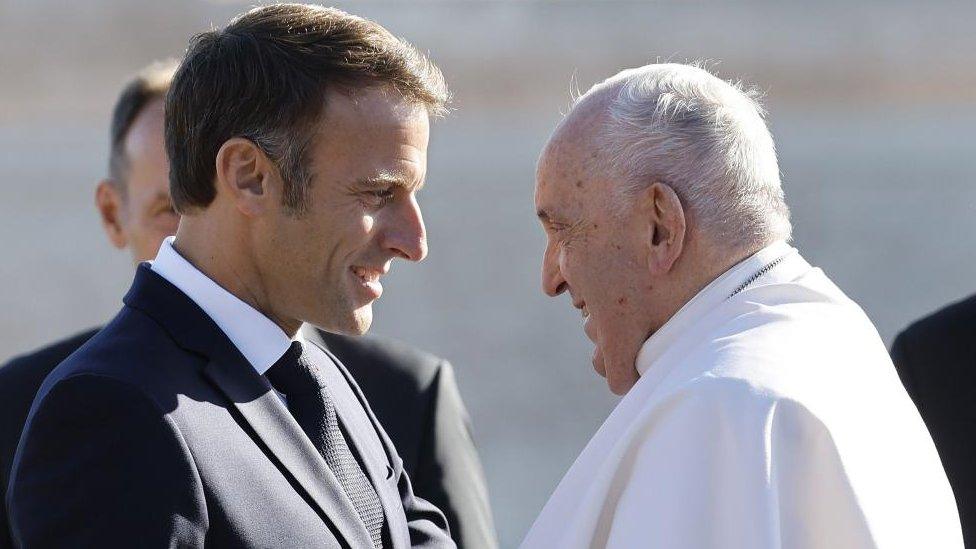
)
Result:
{"points": [[569, 165], [568, 159], [575, 141], [372, 104], [145, 133]]}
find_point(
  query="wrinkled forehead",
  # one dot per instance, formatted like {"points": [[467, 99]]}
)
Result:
{"points": [[573, 153]]}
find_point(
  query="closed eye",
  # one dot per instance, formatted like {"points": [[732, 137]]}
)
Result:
{"points": [[380, 197]]}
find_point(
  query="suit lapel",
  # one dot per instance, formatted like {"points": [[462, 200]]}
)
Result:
{"points": [[252, 396], [264, 411]]}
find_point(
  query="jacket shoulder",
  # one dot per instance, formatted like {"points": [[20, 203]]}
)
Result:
{"points": [[961, 313], [368, 357], [38, 363], [20, 379], [948, 329], [135, 350], [22, 376]]}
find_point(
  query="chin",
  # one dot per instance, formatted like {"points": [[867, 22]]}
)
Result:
{"points": [[618, 387], [359, 321], [355, 322]]}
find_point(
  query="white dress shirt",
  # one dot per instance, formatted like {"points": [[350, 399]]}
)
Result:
{"points": [[259, 339], [771, 418]]}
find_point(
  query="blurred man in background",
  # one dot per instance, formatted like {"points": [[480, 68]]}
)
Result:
{"points": [[760, 408], [936, 360], [136, 213], [413, 393]]}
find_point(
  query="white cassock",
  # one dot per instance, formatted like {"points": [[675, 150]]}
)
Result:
{"points": [[769, 419]]}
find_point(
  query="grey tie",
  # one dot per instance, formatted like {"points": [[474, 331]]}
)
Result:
{"points": [[296, 374]]}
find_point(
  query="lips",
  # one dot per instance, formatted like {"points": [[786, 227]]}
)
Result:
{"points": [[581, 305], [369, 278], [368, 274], [589, 328]]}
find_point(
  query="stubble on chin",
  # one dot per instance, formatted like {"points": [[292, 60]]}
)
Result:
{"points": [[362, 319]]}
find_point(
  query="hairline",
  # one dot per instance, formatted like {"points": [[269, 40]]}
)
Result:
{"points": [[121, 178]]}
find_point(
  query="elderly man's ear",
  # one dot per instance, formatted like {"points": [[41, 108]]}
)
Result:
{"points": [[666, 228], [244, 176]]}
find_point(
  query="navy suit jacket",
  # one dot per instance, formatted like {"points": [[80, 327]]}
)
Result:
{"points": [[158, 433]]}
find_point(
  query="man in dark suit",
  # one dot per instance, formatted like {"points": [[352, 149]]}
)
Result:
{"points": [[413, 393], [164, 427], [936, 360]]}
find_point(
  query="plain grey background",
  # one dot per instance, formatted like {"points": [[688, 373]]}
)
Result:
{"points": [[871, 105]]}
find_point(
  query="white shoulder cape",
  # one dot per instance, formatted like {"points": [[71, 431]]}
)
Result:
{"points": [[771, 419]]}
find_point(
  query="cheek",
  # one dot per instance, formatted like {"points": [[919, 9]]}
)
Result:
{"points": [[583, 259], [607, 276]]}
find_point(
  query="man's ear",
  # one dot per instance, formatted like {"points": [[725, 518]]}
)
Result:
{"points": [[666, 228], [244, 175], [111, 207]]}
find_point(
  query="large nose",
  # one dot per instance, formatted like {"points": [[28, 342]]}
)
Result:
{"points": [[553, 282], [407, 236]]}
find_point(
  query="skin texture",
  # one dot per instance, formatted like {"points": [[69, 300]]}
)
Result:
{"points": [[369, 157], [630, 264], [142, 215]]}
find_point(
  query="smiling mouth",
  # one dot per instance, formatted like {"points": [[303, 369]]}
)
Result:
{"points": [[584, 312], [367, 274], [369, 279]]}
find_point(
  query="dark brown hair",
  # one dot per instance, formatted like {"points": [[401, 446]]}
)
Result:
{"points": [[149, 84], [264, 78]]}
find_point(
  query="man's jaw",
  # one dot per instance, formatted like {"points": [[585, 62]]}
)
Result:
{"points": [[619, 369], [621, 375]]}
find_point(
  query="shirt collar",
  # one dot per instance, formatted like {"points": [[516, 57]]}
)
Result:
{"points": [[707, 299], [259, 339]]}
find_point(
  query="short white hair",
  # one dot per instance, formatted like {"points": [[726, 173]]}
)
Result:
{"points": [[704, 137]]}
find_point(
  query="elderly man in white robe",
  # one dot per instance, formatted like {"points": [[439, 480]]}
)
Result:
{"points": [[760, 407]]}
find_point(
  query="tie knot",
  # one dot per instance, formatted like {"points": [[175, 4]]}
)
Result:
{"points": [[294, 373]]}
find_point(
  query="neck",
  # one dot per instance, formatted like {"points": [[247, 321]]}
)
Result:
{"points": [[703, 263], [222, 254]]}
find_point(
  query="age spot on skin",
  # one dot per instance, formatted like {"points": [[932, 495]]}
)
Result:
{"points": [[579, 183], [622, 301]]}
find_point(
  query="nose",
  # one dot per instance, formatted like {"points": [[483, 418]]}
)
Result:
{"points": [[407, 237], [553, 282]]}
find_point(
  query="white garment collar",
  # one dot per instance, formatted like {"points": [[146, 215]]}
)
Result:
{"points": [[259, 339], [707, 299]]}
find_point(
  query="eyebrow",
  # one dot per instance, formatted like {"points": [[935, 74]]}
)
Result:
{"points": [[388, 179]]}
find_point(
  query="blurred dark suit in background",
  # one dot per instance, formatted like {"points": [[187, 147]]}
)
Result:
{"points": [[936, 360]]}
